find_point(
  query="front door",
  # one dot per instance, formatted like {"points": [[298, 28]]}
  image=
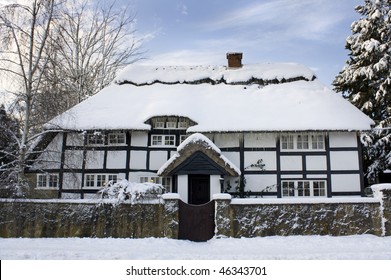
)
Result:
{"points": [[199, 189]]}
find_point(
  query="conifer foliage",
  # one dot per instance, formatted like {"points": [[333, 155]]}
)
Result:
{"points": [[366, 79]]}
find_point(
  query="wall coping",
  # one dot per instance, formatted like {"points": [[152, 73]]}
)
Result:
{"points": [[247, 201], [75, 201]]}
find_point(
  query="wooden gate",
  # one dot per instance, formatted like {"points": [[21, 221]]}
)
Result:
{"points": [[196, 222]]}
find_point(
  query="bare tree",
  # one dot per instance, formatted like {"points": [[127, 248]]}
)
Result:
{"points": [[25, 30], [90, 45], [59, 53]]}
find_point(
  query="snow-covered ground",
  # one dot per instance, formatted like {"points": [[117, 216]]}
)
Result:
{"points": [[366, 247], [367, 257]]}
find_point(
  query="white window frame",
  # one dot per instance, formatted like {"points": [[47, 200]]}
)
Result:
{"points": [[166, 182], [163, 140], [287, 142], [95, 139], [45, 181], [304, 188], [116, 138], [171, 125], [183, 125], [100, 180], [302, 142]]}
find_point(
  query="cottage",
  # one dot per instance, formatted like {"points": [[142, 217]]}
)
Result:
{"points": [[259, 129]]}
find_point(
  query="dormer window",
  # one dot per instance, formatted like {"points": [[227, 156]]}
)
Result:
{"points": [[170, 123]]}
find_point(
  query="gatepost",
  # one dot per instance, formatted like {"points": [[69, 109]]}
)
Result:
{"points": [[222, 216]]}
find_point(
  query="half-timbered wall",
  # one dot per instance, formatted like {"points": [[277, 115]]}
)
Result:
{"points": [[265, 162]]}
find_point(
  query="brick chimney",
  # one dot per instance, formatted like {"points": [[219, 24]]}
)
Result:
{"points": [[234, 59]]}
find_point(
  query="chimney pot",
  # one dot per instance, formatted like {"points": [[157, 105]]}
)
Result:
{"points": [[234, 59]]}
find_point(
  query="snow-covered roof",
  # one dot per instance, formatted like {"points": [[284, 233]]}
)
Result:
{"points": [[259, 97]]}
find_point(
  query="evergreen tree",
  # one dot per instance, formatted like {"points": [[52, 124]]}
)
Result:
{"points": [[9, 128], [366, 79]]}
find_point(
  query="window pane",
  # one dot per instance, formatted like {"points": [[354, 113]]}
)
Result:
{"points": [[112, 178], [100, 180], [169, 140], [302, 142], [41, 181], [157, 140], [117, 138], [319, 188], [53, 181], [90, 180]]}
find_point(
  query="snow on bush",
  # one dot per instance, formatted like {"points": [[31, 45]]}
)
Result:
{"points": [[132, 192]]}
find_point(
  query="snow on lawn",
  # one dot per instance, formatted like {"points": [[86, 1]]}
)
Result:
{"points": [[360, 247]]}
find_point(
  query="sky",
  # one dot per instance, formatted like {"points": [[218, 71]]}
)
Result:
{"points": [[311, 32]]}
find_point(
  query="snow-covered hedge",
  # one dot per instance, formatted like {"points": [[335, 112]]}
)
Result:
{"points": [[132, 192]]}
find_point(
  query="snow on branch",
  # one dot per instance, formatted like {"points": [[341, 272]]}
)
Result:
{"points": [[125, 191]]}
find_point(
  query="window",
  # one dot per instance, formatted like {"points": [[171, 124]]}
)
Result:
{"points": [[303, 188], [287, 142], [317, 142], [183, 125], [159, 124], [288, 189], [99, 180], [95, 139], [171, 125], [116, 138], [163, 140], [319, 188], [47, 181], [164, 181], [302, 142]]}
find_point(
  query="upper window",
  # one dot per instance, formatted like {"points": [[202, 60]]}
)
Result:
{"points": [[95, 139], [302, 142], [47, 181], [117, 138], [163, 140]]}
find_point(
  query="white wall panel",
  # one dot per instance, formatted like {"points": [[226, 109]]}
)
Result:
{"points": [[72, 181], [226, 140], [289, 163], [73, 159], [259, 140], [345, 182], [234, 157], [139, 139], [344, 160], [268, 159], [116, 159], [343, 139], [138, 159], [157, 159], [257, 183], [316, 163], [94, 159]]}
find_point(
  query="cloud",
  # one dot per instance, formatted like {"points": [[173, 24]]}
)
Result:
{"points": [[305, 19]]}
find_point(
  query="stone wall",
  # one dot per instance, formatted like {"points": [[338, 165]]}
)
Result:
{"points": [[233, 217], [23, 218], [261, 217]]}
